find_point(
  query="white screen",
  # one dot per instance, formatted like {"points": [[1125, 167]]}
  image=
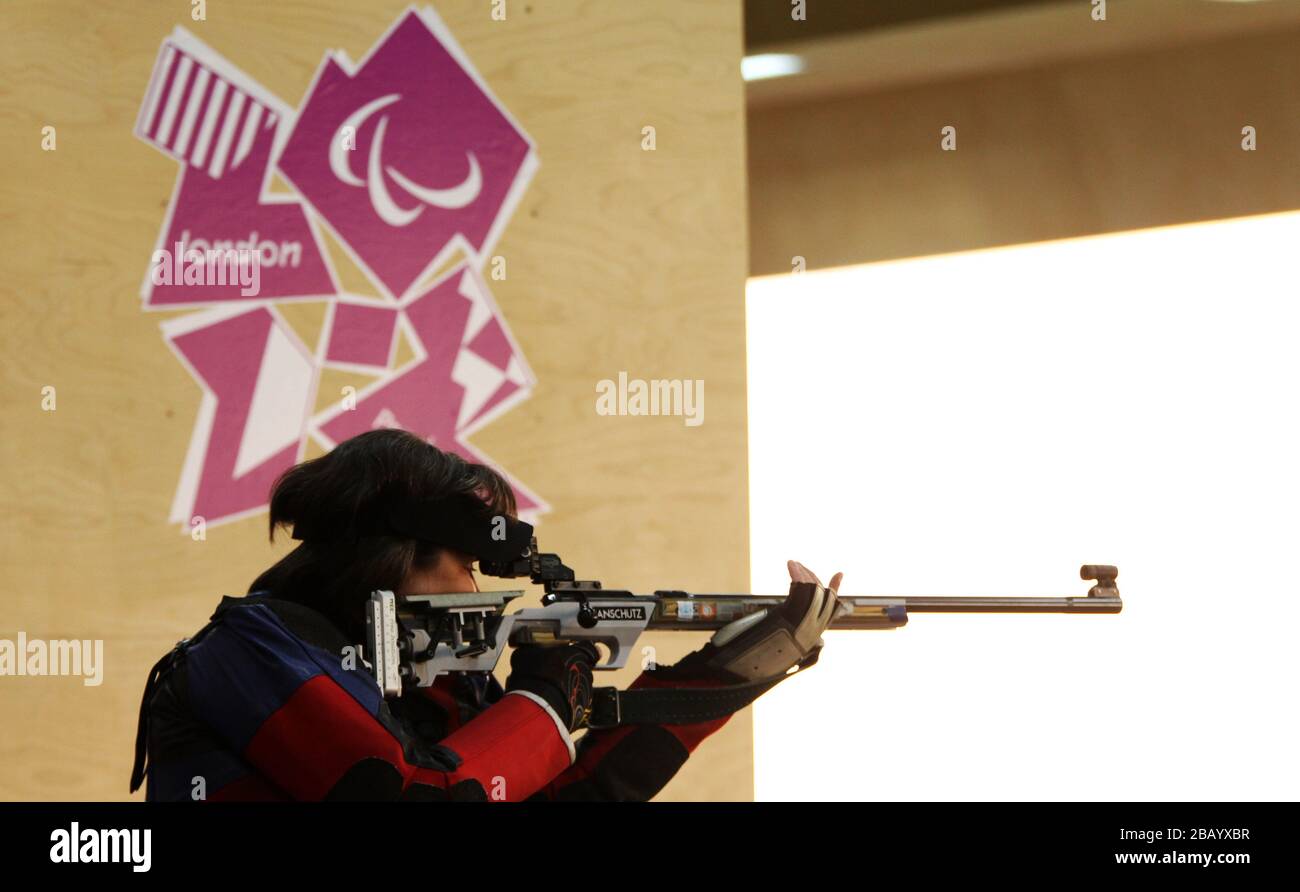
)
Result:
{"points": [[984, 423]]}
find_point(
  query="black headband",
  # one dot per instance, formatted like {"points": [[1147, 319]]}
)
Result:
{"points": [[462, 522]]}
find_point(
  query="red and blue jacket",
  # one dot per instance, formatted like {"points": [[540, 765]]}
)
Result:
{"points": [[264, 703]]}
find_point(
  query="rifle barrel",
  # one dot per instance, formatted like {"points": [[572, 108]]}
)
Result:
{"points": [[940, 604], [707, 612]]}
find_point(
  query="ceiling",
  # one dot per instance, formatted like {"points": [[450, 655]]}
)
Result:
{"points": [[861, 46], [769, 22]]}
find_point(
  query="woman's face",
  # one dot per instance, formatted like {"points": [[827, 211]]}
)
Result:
{"points": [[452, 572]]}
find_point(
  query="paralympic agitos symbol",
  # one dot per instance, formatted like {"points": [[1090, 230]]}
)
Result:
{"points": [[380, 199], [408, 160]]}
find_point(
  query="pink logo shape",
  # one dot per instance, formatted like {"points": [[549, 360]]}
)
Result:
{"points": [[435, 163], [259, 383], [468, 370], [362, 335], [222, 127], [407, 156]]}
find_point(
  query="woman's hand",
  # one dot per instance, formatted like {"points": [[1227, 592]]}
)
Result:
{"points": [[561, 674], [771, 642], [800, 573]]}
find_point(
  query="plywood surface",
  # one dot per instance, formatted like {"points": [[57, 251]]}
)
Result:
{"points": [[618, 259]]}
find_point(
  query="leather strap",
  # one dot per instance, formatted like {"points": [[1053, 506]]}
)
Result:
{"points": [[611, 707]]}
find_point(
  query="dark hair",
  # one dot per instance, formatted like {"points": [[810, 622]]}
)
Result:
{"points": [[357, 479]]}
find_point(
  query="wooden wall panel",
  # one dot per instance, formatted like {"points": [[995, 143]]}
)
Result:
{"points": [[618, 259], [1109, 143]]}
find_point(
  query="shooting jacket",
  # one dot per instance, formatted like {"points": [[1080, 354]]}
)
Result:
{"points": [[261, 704]]}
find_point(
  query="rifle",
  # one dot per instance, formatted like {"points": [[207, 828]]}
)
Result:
{"points": [[413, 639]]}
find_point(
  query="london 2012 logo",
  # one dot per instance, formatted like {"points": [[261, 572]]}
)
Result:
{"points": [[413, 166]]}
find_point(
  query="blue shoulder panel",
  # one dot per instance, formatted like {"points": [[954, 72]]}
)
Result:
{"points": [[250, 664]]}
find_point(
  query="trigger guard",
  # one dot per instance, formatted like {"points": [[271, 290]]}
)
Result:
{"points": [[613, 660]]}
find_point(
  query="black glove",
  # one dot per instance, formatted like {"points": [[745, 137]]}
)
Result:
{"points": [[558, 673]]}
